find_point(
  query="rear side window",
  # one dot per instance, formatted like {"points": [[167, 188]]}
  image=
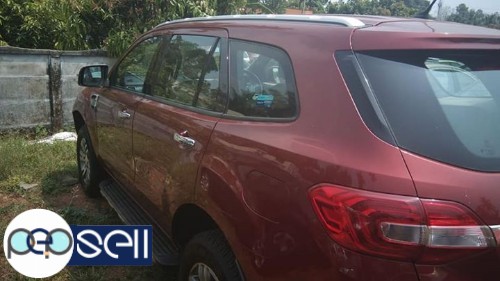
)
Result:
{"points": [[262, 83], [443, 104]]}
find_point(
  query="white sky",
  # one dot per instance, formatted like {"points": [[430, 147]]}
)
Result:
{"points": [[488, 6]]}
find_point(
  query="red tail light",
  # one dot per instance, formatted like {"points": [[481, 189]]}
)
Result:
{"points": [[400, 227]]}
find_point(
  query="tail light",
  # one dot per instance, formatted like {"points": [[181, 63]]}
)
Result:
{"points": [[400, 227]]}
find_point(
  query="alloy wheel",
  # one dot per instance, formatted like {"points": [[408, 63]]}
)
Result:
{"points": [[84, 162], [202, 272]]}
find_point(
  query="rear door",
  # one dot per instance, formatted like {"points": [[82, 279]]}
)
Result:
{"points": [[116, 106], [173, 124]]}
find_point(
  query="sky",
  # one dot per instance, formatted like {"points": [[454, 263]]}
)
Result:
{"points": [[488, 6]]}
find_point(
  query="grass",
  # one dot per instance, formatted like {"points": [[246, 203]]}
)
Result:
{"points": [[31, 163], [53, 168]]}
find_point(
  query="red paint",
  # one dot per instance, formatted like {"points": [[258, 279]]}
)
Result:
{"points": [[261, 172]]}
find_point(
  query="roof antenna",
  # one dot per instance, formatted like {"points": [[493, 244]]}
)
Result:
{"points": [[425, 13]]}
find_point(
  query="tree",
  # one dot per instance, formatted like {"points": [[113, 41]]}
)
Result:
{"points": [[229, 7], [88, 24], [399, 8], [84, 24], [443, 11]]}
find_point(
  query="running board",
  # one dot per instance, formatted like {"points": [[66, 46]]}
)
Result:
{"points": [[165, 252]]}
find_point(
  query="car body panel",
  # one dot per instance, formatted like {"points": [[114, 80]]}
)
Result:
{"points": [[166, 171], [256, 164], [476, 190], [115, 132], [424, 35], [253, 177], [82, 108], [435, 180]]}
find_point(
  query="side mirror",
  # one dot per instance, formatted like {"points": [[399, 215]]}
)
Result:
{"points": [[93, 75]]}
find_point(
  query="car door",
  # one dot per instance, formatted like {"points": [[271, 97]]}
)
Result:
{"points": [[173, 124], [115, 109]]}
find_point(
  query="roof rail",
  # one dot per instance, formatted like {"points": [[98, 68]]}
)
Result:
{"points": [[340, 20]]}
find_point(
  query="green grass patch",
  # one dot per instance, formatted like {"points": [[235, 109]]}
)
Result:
{"points": [[23, 161], [75, 215], [53, 168]]}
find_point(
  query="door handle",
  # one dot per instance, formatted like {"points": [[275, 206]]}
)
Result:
{"points": [[186, 141], [93, 101], [124, 114]]}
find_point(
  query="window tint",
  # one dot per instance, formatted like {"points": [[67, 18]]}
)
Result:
{"points": [[262, 82], [188, 72], [209, 96], [132, 70], [441, 104]]}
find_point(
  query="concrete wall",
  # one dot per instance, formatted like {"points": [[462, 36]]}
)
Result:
{"points": [[38, 87]]}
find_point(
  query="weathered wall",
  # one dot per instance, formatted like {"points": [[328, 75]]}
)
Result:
{"points": [[38, 87]]}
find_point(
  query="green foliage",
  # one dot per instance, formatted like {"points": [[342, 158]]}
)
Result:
{"points": [[398, 8], [465, 15], [2, 43], [119, 40], [53, 24], [90, 24], [41, 131], [408, 8], [114, 24], [75, 215], [229, 7]]}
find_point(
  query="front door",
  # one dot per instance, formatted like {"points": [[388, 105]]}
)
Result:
{"points": [[173, 124], [116, 106]]}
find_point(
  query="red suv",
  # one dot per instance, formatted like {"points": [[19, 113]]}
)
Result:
{"points": [[303, 147]]}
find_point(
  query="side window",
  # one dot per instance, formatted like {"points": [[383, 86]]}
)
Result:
{"points": [[210, 96], [132, 70], [188, 72], [262, 82]]}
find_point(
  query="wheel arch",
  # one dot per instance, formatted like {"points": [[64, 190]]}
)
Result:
{"points": [[78, 120], [189, 220]]}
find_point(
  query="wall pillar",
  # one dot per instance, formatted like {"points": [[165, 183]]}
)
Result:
{"points": [[55, 92]]}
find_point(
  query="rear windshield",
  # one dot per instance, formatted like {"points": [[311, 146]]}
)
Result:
{"points": [[441, 104]]}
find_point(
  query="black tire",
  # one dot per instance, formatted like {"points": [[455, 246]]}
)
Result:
{"points": [[90, 172], [209, 249]]}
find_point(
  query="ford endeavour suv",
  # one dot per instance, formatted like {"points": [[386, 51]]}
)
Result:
{"points": [[303, 147]]}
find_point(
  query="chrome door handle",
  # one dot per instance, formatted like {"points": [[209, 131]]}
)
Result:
{"points": [[124, 114], [93, 101], [184, 140]]}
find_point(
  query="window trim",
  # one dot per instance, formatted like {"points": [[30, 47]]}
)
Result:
{"points": [[183, 106]]}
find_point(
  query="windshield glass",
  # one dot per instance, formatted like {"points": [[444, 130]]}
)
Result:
{"points": [[443, 105]]}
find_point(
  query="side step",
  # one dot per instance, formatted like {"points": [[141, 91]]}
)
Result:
{"points": [[165, 251]]}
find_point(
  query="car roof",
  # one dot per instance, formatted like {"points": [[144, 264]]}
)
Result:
{"points": [[378, 23], [355, 32], [333, 19], [348, 20]]}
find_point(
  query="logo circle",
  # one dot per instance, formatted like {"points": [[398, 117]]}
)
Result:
{"points": [[38, 243]]}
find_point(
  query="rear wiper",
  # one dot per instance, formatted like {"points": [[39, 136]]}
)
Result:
{"points": [[425, 13]]}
